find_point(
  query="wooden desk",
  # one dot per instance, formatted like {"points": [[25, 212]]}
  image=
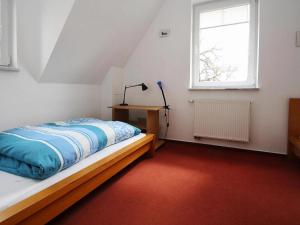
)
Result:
{"points": [[150, 125]]}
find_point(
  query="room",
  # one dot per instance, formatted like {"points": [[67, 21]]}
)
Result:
{"points": [[150, 112]]}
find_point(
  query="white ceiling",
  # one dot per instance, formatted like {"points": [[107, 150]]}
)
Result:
{"points": [[97, 35]]}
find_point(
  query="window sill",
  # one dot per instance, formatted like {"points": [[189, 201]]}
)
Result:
{"points": [[224, 89], [9, 68]]}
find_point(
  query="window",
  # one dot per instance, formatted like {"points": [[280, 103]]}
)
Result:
{"points": [[7, 48], [225, 37]]}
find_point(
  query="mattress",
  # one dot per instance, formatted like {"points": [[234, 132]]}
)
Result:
{"points": [[14, 189]]}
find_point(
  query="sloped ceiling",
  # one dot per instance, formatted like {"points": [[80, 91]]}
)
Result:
{"points": [[97, 35], [55, 14], [39, 26]]}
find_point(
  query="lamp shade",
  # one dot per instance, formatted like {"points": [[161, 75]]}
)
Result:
{"points": [[144, 87]]}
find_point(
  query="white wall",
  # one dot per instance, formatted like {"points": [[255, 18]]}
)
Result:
{"points": [[24, 101], [111, 91], [169, 60]]}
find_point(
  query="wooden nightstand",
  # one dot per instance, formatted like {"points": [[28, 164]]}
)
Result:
{"points": [[294, 129], [150, 125]]}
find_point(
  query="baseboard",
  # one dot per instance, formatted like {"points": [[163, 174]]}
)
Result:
{"points": [[224, 146]]}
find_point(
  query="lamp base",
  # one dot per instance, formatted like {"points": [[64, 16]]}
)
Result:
{"points": [[124, 104]]}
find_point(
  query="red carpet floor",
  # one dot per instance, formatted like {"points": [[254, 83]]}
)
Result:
{"points": [[194, 185]]}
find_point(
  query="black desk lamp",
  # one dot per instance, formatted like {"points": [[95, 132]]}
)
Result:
{"points": [[144, 88]]}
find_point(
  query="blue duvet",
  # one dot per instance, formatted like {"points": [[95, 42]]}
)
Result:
{"points": [[41, 151]]}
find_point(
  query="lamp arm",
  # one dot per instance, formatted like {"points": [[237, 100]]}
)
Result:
{"points": [[134, 86], [125, 89], [144, 87], [124, 94]]}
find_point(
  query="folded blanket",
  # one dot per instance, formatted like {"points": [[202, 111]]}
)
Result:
{"points": [[41, 151]]}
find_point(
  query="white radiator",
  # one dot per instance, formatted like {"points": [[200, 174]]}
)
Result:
{"points": [[220, 119]]}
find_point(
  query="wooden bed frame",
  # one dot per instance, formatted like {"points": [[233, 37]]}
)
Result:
{"points": [[294, 128], [49, 203]]}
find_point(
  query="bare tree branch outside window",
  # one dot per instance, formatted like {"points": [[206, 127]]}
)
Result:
{"points": [[210, 69]]}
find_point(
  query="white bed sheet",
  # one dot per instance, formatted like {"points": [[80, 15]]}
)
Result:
{"points": [[14, 189]]}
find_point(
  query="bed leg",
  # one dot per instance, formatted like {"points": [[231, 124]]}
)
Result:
{"points": [[151, 153]]}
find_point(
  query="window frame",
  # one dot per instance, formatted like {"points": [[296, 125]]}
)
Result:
{"points": [[8, 18], [253, 83]]}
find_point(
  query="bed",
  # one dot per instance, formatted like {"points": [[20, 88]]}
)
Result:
{"points": [[29, 201]]}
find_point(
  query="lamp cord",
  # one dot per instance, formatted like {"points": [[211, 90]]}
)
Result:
{"points": [[167, 111], [167, 120]]}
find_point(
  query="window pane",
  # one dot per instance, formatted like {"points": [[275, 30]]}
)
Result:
{"points": [[226, 16], [224, 53], [1, 32], [210, 19], [236, 14], [4, 33]]}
